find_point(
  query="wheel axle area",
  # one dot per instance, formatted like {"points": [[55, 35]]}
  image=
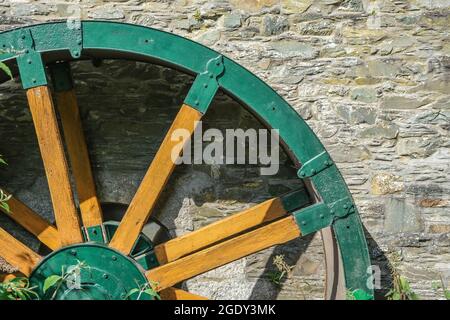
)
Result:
{"points": [[89, 272]]}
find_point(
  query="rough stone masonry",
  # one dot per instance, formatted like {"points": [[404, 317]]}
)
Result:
{"points": [[372, 78]]}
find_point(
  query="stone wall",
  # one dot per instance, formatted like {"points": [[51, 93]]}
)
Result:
{"points": [[372, 78]]}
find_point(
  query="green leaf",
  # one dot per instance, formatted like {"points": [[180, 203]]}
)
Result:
{"points": [[131, 292], [404, 284], [5, 206], [3, 162], [6, 69], [447, 294], [50, 282]]}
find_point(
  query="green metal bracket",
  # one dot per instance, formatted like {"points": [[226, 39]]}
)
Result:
{"points": [[75, 35], [342, 208], [294, 200], [61, 76], [147, 260], [313, 218], [31, 67], [205, 85], [317, 164], [322, 215], [95, 234]]}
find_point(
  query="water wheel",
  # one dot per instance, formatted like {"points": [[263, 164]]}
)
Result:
{"points": [[119, 256]]}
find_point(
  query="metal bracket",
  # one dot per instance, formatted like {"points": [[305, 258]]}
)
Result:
{"points": [[95, 233], [205, 85], [321, 215], [147, 260], [317, 164], [76, 35], [61, 76], [342, 208], [31, 67], [313, 218]]}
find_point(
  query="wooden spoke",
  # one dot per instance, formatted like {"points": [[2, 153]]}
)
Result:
{"points": [[91, 212], [33, 223], [277, 232], [199, 239], [9, 276], [153, 183], [17, 254], [55, 164], [178, 294]]}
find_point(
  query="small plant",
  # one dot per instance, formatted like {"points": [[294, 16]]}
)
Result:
{"points": [[283, 269], [147, 289], [71, 277], [197, 15], [349, 295], [17, 289], [440, 285], [3, 196], [401, 289], [4, 67]]}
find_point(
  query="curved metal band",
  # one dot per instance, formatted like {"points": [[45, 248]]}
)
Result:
{"points": [[117, 40]]}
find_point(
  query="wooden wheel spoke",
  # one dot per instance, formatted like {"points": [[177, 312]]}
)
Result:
{"points": [[274, 233], [17, 254], [264, 212], [172, 293], [153, 183], [33, 223], [91, 212], [55, 164]]}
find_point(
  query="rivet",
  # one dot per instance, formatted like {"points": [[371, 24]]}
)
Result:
{"points": [[29, 61], [34, 80], [79, 42], [302, 174], [332, 211], [304, 223], [218, 63], [23, 37], [345, 206], [73, 252], [105, 276], [321, 216], [27, 51], [197, 102], [94, 232], [114, 258], [313, 171], [211, 75], [205, 85]]}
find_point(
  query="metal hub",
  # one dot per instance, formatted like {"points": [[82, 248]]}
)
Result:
{"points": [[89, 272]]}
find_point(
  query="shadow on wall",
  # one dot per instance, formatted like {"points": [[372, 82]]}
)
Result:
{"points": [[381, 263]]}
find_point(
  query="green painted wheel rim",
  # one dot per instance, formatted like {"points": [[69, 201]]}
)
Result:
{"points": [[95, 39]]}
